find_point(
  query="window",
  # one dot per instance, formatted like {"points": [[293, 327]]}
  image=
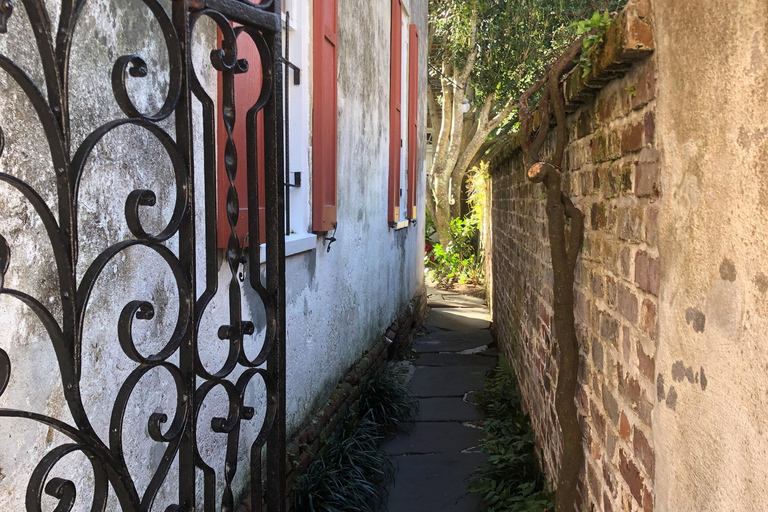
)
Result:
{"points": [[296, 129], [403, 118]]}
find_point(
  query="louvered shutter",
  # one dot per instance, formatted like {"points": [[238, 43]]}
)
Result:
{"points": [[413, 118], [324, 120], [395, 112]]}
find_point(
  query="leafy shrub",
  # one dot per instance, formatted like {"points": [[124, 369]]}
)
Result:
{"points": [[353, 472], [461, 260], [512, 480], [386, 402], [593, 29]]}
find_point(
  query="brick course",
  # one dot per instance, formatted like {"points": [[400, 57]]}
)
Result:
{"points": [[612, 175]]}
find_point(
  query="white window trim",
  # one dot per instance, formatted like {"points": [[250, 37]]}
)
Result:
{"points": [[296, 243], [299, 241], [402, 224]]}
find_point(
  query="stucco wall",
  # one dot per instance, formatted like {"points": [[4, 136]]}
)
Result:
{"points": [[338, 301], [711, 424]]}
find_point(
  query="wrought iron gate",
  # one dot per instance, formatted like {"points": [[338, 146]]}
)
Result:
{"points": [[180, 356]]}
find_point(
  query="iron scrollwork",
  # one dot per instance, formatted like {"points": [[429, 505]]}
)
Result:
{"points": [[192, 381]]}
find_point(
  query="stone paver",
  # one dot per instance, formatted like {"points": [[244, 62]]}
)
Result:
{"points": [[435, 437], [447, 381], [447, 409], [434, 483], [438, 359], [460, 319], [439, 453], [453, 341]]}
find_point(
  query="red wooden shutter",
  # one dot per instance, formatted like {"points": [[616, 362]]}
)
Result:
{"points": [[395, 112], [247, 91], [324, 120], [413, 118]]}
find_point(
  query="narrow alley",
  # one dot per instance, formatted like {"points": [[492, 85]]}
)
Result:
{"points": [[438, 454]]}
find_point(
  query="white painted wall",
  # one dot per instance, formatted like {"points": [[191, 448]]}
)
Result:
{"points": [[338, 301]]}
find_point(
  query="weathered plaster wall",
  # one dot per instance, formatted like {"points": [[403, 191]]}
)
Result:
{"points": [[339, 302], [711, 421]]}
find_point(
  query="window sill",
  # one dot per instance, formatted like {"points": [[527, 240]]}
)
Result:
{"points": [[402, 224], [294, 244]]}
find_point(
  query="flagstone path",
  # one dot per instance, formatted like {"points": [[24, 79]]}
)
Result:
{"points": [[437, 455]]}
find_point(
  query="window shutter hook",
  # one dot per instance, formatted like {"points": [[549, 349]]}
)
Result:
{"points": [[331, 238]]}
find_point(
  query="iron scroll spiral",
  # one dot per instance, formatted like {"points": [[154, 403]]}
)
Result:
{"points": [[178, 358]]}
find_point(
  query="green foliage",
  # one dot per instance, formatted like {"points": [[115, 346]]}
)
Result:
{"points": [[593, 29], [461, 260], [353, 472], [512, 480], [387, 403], [516, 39]]}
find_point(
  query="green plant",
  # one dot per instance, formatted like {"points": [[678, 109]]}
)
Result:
{"points": [[351, 476], [512, 480], [461, 260], [593, 29], [386, 402], [353, 472]]}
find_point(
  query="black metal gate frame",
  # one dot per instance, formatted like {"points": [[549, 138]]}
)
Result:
{"points": [[262, 23]]}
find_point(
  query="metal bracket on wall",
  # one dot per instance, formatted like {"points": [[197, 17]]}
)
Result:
{"points": [[296, 70], [296, 180]]}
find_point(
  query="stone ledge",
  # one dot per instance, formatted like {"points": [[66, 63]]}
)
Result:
{"points": [[629, 39]]}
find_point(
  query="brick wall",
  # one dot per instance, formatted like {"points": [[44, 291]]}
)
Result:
{"points": [[612, 174]]}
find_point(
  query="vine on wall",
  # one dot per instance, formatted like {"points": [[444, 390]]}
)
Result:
{"points": [[564, 250]]}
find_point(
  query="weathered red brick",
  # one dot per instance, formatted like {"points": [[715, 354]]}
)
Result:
{"points": [[610, 404], [631, 475], [592, 478], [630, 223], [608, 473], [596, 284], [624, 257], [632, 138], [598, 216], [647, 272], [627, 302], [647, 179], [598, 421], [647, 364], [645, 88], [650, 127], [626, 343], [597, 354], [607, 504], [629, 387], [648, 318], [624, 429], [609, 328], [610, 285], [652, 225], [643, 452], [647, 500]]}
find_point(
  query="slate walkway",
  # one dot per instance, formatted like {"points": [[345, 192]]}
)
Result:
{"points": [[440, 451]]}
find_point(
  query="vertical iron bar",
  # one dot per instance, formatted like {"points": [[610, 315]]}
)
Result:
{"points": [[287, 129], [275, 212], [187, 260]]}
